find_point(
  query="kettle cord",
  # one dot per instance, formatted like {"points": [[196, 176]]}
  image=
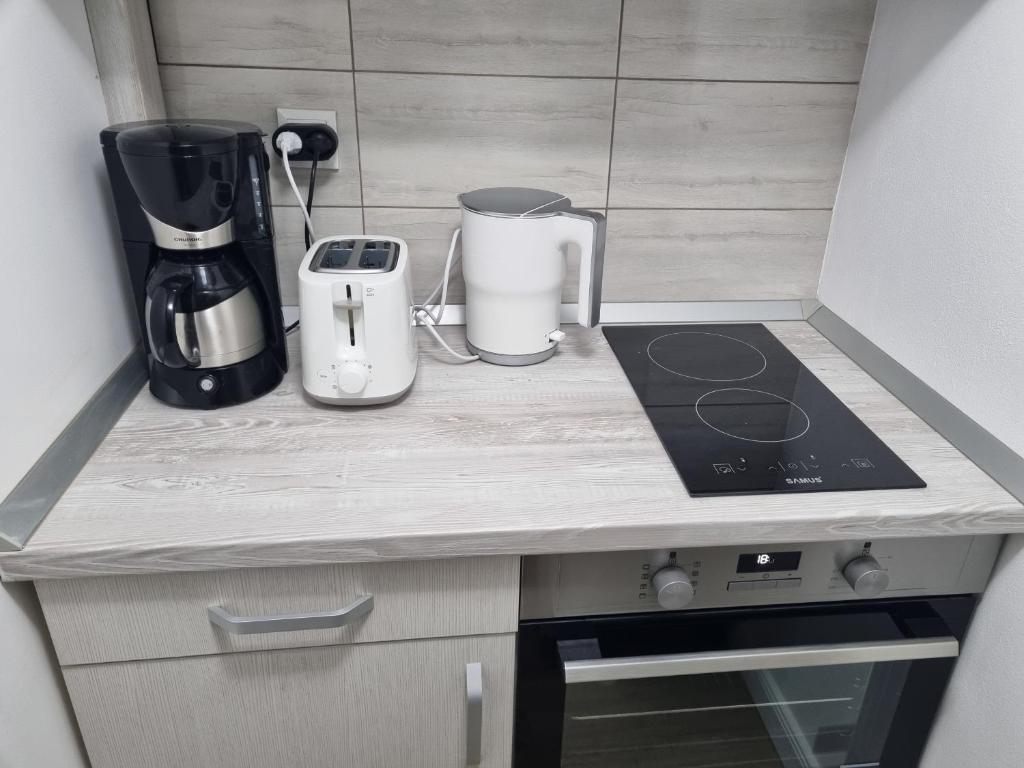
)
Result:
{"points": [[427, 317]]}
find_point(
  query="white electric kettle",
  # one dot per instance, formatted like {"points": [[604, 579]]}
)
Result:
{"points": [[513, 261]]}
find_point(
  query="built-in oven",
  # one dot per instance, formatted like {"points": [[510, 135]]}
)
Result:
{"points": [[774, 660]]}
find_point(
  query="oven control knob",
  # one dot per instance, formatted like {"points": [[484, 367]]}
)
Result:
{"points": [[866, 576], [352, 378], [673, 588]]}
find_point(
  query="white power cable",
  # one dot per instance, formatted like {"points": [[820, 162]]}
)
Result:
{"points": [[427, 318], [289, 143]]}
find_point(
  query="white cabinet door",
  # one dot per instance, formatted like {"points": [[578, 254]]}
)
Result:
{"points": [[347, 706]]}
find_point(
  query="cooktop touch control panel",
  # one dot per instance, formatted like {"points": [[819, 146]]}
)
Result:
{"points": [[675, 579]]}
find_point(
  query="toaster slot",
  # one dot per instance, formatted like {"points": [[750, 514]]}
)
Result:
{"points": [[375, 255], [335, 255]]}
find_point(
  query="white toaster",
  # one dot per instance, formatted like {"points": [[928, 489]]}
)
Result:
{"points": [[355, 313]]}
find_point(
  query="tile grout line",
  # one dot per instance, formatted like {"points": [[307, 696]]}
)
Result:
{"points": [[615, 104], [412, 207], [156, 50], [355, 117], [509, 75]]}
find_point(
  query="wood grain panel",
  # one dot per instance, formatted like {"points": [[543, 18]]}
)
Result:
{"points": [[144, 617], [363, 706], [291, 247], [805, 40], [253, 95], [729, 145], [477, 460], [311, 34], [713, 255], [424, 139], [125, 60], [496, 37]]}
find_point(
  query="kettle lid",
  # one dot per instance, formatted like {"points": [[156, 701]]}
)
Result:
{"points": [[515, 202]]}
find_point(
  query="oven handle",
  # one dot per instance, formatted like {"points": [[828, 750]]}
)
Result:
{"points": [[673, 665]]}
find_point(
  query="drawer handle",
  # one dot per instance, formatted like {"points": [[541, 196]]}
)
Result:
{"points": [[259, 625], [474, 713]]}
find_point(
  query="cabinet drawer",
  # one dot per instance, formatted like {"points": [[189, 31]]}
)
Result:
{"points": [[358, 706], [120, 618]]}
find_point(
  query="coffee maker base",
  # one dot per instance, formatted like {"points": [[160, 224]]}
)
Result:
{"points": [[498, 359], [210, 388]]}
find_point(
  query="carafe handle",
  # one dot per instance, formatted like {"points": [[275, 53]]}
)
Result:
{"points": [[163, 337], [588, 229]]}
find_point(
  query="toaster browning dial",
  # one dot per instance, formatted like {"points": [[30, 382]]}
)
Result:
{"points": [[352, 378]]}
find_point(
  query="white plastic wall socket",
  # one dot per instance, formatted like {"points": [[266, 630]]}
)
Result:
{"points": [[327, 116]]}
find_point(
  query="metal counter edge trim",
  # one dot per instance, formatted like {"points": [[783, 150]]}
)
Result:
{"points": [[34, 496]]}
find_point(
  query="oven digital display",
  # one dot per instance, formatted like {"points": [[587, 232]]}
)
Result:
{"points": [[757, 562]]}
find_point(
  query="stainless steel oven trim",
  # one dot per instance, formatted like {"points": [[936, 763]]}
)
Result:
{"points": [[674, 665]]}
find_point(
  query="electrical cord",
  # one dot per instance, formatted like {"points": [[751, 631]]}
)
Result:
{"points": [[309, 195], [289, 143], [428, 318]]}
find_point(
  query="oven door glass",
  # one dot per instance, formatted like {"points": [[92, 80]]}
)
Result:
{"points": [[731, 711], [779, 690]]}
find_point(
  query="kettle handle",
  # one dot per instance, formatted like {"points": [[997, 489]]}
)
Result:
{"points": [[162, 334], [591, 242]]}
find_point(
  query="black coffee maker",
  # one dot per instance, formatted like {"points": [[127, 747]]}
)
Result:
{"points": [[194, 211]]}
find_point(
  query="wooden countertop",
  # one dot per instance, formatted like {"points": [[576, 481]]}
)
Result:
{"points": [[477, 459]]}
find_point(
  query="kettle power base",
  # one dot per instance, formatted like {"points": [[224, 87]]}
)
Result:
{"points": [[511, 360]]}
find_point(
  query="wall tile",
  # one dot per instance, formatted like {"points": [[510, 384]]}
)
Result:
{"points": [[290, 247], [715, 147], [257, 33], [812, 40], [426, 138], [729, 145], [713, 255], [499, 37], [428, 232], [253, 95]]}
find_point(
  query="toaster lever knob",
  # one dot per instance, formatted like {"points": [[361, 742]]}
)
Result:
{"points": [[352, 378]]}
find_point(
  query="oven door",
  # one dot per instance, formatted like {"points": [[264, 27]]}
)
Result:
{"points": [[853, 685]]}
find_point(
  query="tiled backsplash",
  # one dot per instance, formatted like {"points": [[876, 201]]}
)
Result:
{"points": [[712, 131]]}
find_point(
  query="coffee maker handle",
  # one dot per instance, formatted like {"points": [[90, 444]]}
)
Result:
{"points": [[162, 333], [587, 229]]}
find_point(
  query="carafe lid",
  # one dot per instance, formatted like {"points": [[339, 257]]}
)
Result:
{"points": [[515, 202]]}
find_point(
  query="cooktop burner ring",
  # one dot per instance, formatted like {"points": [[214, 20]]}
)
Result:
{"points": [[807, 419], [667, 369]]}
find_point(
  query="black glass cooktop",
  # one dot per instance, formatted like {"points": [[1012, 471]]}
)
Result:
{"points": [[738, 413]]}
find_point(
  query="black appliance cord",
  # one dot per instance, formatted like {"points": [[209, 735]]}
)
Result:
{"points": [[309, 194], [309, 210]]}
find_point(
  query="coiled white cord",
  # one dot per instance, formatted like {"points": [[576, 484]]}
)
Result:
{"points": [[427, 318], [289, 143]]}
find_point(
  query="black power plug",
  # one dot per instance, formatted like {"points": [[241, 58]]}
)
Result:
{"points": [[318, 140]]}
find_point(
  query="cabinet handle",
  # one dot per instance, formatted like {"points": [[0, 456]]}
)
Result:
{"points": [[474, 713], [259, 625]]}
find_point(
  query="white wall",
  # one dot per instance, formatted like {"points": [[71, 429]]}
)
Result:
{"points": [[64, 316], [65, 323], [926, 252], [926, 259]]}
